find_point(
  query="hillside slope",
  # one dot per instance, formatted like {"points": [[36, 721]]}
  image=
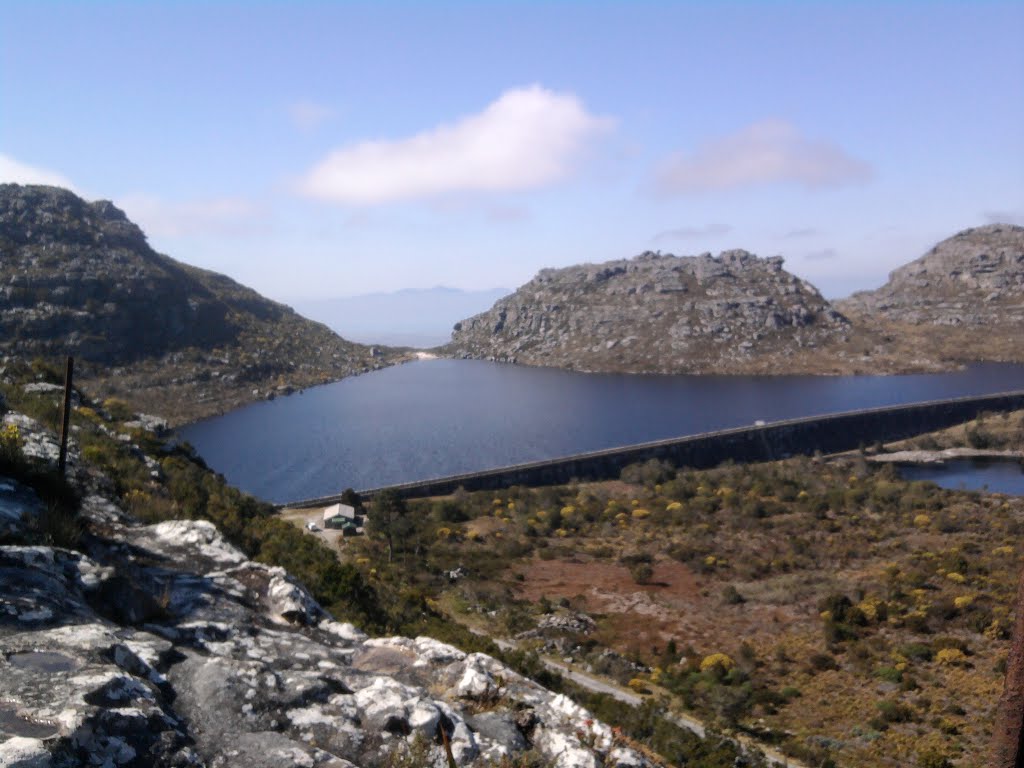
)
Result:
{"points": [[79, 278], [164, 644], [733, 313], [963, 300]]}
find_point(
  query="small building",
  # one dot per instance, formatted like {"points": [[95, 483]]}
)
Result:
{"points": [[336, 515], [348, 528]]}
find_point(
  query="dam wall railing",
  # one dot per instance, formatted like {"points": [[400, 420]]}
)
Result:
{"points": [[831, 433]]}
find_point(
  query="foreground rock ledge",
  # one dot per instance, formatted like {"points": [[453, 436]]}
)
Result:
{"points": [[163, 645]]}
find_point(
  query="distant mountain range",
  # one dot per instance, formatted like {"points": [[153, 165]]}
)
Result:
{"points": [[737, 313], [412, 317], [79, 278]]}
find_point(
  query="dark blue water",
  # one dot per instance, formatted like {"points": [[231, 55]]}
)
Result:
{"points": [[994, 476], [440, 417]]}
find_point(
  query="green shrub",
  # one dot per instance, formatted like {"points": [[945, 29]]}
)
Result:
{"points": [[894, 711], [889, 674]]}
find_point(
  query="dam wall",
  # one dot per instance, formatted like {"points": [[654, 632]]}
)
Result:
{"points": [[832, 433]]}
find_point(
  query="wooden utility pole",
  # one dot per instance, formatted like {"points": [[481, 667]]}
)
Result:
{"points": [[66, 416], [1009, 725]]}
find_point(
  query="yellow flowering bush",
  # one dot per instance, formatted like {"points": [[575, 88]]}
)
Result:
{"points": [[956, 578], [717, 661], [869, 606], [950, 656], [673, 506], [10, 439], [638, 685], [922, 521], [964, 601], [88, 413], [640, 514]]}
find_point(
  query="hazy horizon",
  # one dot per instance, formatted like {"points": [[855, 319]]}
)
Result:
{"points": [[315, 151]]}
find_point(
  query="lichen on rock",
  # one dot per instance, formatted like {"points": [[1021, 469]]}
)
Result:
{"points": [[166, 646]]}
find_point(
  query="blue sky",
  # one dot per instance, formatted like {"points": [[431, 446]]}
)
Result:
{"points": [[313, 150]]}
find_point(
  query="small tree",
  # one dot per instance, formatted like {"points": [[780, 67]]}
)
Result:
{"points": [[351, 498], [390, 519]]}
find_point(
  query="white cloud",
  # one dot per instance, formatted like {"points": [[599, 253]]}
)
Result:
{"points": [[11, 171], [307, 115], [527, 138], [161, 218], [680, 233], [767, 151]]}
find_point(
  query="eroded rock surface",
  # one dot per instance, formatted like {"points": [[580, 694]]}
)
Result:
{"points": [[162, 645], [975, 278], [962, 301], [656, 313]]}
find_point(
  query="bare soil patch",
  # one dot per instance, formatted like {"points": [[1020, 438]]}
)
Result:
{"points": [[638, 617]]}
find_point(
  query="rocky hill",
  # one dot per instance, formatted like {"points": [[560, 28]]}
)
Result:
{"points": [[731, 313], [79, 278], [162, 644], [963, 300], [975, 278]]}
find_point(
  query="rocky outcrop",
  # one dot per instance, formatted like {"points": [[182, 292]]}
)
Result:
{"points": [[656, 313], [79, 278], [975, 278], [163, 645], [962, 301]]}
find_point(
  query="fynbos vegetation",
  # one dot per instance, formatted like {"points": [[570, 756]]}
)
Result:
{"points": [[826, 607]]}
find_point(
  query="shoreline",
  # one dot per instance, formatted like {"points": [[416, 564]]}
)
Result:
{"points": [[942, 456]]}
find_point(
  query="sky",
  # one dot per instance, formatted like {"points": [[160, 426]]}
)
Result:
{"points": [[315, 150]]}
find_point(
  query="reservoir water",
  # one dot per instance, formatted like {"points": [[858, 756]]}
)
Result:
{"points": [[433, 418], [995, 476]]}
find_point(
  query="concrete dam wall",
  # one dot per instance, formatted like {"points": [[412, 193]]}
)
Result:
{"points": [[826, 434]]}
